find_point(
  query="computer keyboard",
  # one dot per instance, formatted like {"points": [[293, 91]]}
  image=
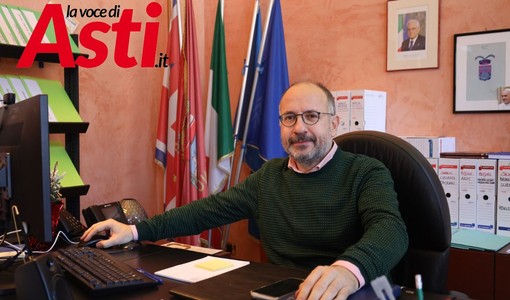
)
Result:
{"points": [[99, 272]]}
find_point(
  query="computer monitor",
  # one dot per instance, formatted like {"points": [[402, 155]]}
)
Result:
{"points": [[24, 134]]}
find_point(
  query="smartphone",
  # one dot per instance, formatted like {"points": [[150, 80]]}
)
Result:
{"points": [[279, 290]]}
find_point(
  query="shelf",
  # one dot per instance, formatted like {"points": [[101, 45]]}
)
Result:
{"points": [[15, 51], [64, 106], [74, 191], [68, 127], [72, 184]]}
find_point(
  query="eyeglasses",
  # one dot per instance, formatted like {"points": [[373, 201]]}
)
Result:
{"points": [[308, 117]]}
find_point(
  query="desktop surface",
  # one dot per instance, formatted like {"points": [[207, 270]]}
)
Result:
{"points": [[235, 284]]}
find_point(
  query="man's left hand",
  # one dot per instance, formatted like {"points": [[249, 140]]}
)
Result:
{"points": [[328, 282]]}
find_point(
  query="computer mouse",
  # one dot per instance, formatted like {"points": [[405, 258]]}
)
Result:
{"points": [[93, 241]]}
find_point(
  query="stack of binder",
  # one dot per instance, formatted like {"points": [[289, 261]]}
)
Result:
{"points": [[360, 110], [477, 188], [431, 146], [18, 23], [61, 108]]}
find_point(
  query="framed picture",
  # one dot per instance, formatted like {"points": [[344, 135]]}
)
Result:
{"points": [[413, 35], [482, 72]]}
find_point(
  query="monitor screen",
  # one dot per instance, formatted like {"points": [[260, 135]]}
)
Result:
{"points": [[24, 135]]}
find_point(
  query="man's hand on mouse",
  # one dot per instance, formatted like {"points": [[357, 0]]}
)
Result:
{"points": [[119, 233]]}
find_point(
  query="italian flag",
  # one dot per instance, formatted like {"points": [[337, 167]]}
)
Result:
{"points": [[400, 33], [218, 133]]}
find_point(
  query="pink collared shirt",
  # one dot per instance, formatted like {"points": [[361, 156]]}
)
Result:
{"points": [[293, 166], [348, 265]]}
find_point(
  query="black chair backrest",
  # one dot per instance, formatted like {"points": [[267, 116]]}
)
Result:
{"points": [[422, 204]]}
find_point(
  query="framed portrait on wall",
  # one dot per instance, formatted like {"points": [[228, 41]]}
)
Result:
{"points": [[482, 72], [413, 35]]}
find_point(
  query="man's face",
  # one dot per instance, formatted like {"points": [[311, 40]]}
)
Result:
{"points": [[505, 97], [413, 30], [307, 144]]}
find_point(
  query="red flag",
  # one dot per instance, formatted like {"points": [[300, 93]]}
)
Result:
{"points": [[166, 134], [193, 168]]}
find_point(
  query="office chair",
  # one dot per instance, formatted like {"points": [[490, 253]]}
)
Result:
{"points": [[422, 204], [134, 211]]}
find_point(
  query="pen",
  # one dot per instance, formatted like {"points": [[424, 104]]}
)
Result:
{"points": [[419, 286], [150, 275]]}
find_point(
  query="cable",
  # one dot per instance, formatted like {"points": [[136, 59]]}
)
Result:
{"points": [[3, 236], [9, 261], [65, 238]]}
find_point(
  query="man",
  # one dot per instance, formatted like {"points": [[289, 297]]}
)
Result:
{"points": [[321, 209], [415, 41], [505, 98]]}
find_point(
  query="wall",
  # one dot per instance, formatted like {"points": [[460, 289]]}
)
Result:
{"points": [[340, 43]]}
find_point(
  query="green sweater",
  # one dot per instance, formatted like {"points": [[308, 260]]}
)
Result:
{"points": [[348, 210]]}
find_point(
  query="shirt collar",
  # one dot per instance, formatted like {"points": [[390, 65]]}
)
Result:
{"points": [[293, 166]]}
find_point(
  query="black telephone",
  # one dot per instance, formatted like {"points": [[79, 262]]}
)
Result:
{"points": [[70, 225], [101, 212]]}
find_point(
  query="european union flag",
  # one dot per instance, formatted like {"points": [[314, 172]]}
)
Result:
{"points": [[263, 139]]}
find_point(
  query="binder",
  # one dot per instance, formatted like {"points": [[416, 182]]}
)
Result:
{"points": [[432, 146], [499, 155], [32, 17], [467, 193], [434, 162], [343, 110], [12, 24], [503, 198], [50, 31], [23, 27], [3, 31], [486, 196], [61, 106], [448, 172], [18, 87], [17, 25], [368, 110], [7, 32], [5, 85]]}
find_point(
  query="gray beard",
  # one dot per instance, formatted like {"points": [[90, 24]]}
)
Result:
{"points": [[309, 159]]}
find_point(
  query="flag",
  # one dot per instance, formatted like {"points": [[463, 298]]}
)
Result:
{"points": [[401, 31], [218, 136], [166, 131], [249, 74], [191, 151], [263, 139]]}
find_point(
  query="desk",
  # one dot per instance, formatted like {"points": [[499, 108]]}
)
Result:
{"points": [[480, 274], [232, 285]]}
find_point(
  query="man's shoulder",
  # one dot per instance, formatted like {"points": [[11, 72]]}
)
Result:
{"points": [[356, 158]]}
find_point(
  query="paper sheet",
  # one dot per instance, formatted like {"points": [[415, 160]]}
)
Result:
{"points": [[194, 271], [204, 250]]}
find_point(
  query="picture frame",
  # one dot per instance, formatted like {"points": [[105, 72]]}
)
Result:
{"points": [[421, 17], [481, 72]]}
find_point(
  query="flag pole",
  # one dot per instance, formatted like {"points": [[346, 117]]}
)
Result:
{"points": [[255, 80], [179, 23], [248, 115], [241, 96]]}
